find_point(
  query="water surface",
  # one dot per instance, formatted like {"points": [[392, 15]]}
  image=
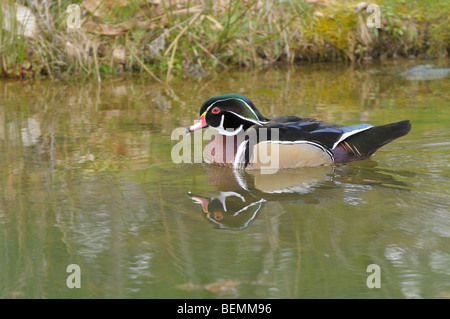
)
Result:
{"points": [[86, 178]]}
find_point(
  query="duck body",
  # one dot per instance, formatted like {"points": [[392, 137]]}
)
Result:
{"points": [[248, 140]]}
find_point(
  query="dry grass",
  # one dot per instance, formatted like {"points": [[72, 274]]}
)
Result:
{"points": [[196, 37]]}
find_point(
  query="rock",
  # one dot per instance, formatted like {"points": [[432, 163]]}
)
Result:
{"points": [[425, 72], [19, 20], [361, 6]]}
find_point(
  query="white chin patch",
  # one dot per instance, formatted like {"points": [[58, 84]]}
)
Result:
{"points": [[227, 132]]}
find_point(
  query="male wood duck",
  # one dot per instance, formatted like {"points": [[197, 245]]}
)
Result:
{"points": [[243, 133], [230, 210]]}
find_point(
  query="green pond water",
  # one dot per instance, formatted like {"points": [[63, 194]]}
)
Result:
{"points": [[87, 178]]}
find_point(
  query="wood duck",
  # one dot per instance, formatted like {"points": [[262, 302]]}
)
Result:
{"points": [[243, 133], [229, 210], [237, 202]]}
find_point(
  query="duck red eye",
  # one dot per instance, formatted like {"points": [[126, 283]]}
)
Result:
{"points": [[215, 110]]}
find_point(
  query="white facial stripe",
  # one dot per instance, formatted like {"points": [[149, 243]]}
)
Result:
{"points": [[224, 195], [234, 98], [247, 119], [248, 106], [223, 131], [221, 122]]}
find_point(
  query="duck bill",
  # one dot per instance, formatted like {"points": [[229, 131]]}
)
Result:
{"points": [[199, 125], [200, 200]]}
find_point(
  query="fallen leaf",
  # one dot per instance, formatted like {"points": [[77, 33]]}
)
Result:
{"points": [[105, 29]]}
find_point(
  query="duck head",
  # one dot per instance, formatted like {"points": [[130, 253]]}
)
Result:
{"points": [[230, 210], [229, 114]]}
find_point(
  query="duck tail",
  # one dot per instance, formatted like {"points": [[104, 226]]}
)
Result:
{"points": [[363, 144]]}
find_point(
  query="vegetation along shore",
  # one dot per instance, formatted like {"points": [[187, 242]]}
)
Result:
{"points": [[94, 38]]}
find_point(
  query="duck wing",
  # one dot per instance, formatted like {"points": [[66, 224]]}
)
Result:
{"points": [[295, 132], [332, 143], [356, 144]]}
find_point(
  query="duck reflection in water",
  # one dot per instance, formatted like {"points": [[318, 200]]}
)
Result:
{"points": [[242, 196]]}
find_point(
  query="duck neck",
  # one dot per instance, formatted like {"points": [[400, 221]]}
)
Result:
{"points": [[221, 149]]}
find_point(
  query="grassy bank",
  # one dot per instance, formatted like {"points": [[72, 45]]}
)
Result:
{"points": [[196, 37]]}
